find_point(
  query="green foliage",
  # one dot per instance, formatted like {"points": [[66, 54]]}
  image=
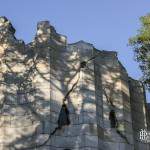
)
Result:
{"points": [[141, 46]]}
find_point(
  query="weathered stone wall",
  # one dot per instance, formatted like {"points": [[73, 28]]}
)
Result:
{"points": [[82, 131], [115, 95], [148, 115], [25, 87], [139, 120], [38, 78]]}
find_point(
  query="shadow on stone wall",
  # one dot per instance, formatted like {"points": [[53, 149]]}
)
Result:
{"points": [[39, 77], [23, 99], [30, 77]]}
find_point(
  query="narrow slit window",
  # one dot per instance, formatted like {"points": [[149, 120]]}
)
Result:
{"points": [[112, 118]]}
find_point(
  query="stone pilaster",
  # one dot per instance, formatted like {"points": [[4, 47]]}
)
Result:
{"points": [[138, 111]]}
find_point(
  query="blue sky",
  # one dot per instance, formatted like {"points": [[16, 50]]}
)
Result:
{"points": [[107, 24]]}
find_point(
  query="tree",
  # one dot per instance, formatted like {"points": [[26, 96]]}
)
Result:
{"points": [[141, 46]]}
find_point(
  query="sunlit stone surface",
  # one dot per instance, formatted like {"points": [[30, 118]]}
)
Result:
{"points": [[35, 78]]}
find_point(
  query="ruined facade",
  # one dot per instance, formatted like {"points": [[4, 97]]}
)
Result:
{"points": [[59, 96]]}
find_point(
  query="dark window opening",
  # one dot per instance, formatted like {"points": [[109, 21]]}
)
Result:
{"points": [[113, 119], [63, 116], [83, 64]]}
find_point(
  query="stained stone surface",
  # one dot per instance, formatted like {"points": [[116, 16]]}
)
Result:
{"points": [[138, 108], [37, 78], [148, 115]]}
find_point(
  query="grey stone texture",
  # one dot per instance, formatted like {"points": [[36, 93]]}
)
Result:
{"points": [[139, 112], [148, 115], [37, 78]]}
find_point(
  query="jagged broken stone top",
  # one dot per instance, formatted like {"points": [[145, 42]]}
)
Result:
{"points": [[7, 31], [6, 25], [45, 37], [44, 33], [44, 27]]}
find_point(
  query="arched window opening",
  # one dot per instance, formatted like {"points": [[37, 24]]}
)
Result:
{"points": [[63, 116], [113, 119], [83, 64]]}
